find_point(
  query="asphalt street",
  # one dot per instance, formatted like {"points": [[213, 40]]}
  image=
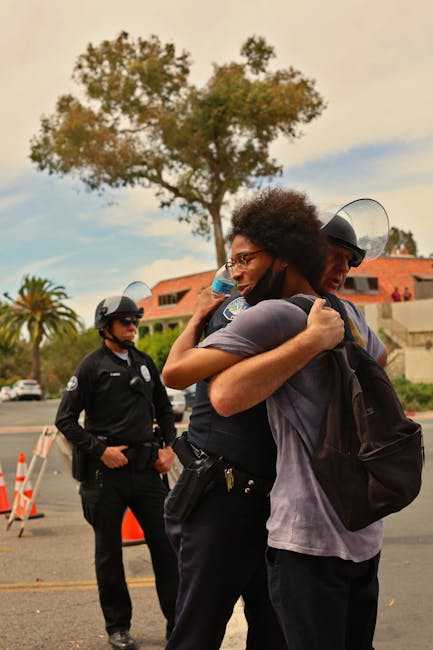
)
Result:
{"points": [[47, 592]]}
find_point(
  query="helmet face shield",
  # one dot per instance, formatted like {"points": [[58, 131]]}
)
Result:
{"points": [[126, 304], [362, 226], [137, 291]]}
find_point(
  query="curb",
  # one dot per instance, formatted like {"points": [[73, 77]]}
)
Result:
{"points": [[414, 415], [419, 415], [38, 429], [33, 429]]}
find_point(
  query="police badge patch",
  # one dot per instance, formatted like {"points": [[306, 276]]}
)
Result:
{"points": [[145, 373], [235, 307], [72, 383]]}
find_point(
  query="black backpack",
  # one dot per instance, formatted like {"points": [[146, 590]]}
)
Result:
{"points": [[369, 457]]}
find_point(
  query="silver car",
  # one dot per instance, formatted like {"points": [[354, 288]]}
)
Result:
{"points": [[26, 389], [178, 403]]}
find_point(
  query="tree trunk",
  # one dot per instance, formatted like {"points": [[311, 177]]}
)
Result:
{"points": [[36, 359], [218, 237]]}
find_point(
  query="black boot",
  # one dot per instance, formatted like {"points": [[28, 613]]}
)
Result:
{"points": [[122, 640]]}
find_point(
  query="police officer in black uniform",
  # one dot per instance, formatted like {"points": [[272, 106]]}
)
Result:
{"points": [[118, 461], [221, 545]]}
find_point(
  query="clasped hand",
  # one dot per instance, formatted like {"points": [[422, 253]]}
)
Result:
{"points": [[326, 323]]}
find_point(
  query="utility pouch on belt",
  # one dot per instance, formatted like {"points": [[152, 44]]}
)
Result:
{"points": [[191, 485], [80, 464], [183, 449]]}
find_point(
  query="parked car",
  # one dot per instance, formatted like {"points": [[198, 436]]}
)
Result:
{"points": [[6, 394], [178, 403], [26, 389], [190, 395]]}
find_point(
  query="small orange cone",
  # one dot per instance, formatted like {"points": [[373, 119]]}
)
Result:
{"points": [[5, 507], [132, 532], [28, 492]]}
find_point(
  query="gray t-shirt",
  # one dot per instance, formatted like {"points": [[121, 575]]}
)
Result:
{"points": [[302, 518]]}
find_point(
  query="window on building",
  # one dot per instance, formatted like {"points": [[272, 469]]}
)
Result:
{"points": [[171, 298], [361, 284]]}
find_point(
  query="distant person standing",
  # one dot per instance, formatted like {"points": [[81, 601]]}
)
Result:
{"points": [[407, 295], [396, 295]]}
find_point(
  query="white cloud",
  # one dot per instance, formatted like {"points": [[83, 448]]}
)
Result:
{"points": [[170, 268], [32, 268], [8, 201], [412, 163], [372, 61], [85, 304], [137, 211]]}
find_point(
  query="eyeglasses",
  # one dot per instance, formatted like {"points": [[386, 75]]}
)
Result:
{"points": [[128, 320], [242, 260]]}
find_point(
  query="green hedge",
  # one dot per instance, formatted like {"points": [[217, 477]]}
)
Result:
{"points": [[414, 397], [158, 345]]}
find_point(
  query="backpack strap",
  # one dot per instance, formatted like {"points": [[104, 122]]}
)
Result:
{"points": [[303, 303], [335, 303]]}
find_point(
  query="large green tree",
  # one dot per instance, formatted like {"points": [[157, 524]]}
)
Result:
{"points": [[39, 309], [139, 121], [401, 239]]}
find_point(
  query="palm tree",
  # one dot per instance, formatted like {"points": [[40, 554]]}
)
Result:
{"points": [[39, 308]]}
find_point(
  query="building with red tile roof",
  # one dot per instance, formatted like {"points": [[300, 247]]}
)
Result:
{"points": [[173, 300], [375, 281]]}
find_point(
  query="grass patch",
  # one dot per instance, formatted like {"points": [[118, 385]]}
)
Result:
{"points": [[414, 397]]}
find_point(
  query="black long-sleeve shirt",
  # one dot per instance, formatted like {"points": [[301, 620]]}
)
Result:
{"points": [[124, 414]]}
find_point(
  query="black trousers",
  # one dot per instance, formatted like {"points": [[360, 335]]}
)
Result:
{"points": [[221, 556], [324, 603], [104, 503]]}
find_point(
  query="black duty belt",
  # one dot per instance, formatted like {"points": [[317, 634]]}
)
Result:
{"points": [[142, 453], [241, 482], [222, 470]]}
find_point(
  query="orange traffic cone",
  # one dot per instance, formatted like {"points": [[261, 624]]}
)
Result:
{"points": [[28, 491], [132, 532], [4, 501]]}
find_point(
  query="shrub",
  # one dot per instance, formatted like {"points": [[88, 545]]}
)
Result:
{"points": [[414, 397], [158, 345], [62, 354]]}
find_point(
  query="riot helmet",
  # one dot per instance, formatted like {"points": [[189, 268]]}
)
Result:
{"points": [[115, 307], [360, 226], [340, 232]]}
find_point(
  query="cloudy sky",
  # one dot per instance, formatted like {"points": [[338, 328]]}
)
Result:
{"points": [[373, 64]]}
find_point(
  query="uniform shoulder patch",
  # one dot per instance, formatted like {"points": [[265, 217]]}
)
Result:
{"points": [[72, 383], [235, 307], [145, 373]]}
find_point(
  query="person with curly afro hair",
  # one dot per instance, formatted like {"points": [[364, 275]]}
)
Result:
{"points": [[284, 224]]}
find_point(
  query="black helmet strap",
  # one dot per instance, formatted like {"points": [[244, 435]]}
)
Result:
{"points": [[126, 345]]}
